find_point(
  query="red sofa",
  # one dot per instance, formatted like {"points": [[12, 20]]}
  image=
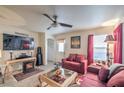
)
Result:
{"points": [[75, 62], [105, 78]]}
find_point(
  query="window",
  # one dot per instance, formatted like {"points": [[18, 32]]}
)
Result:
{"points": [[61, 46], [100, 48]]}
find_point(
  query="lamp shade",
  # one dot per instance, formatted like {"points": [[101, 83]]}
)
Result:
{"points": [[109, 39]]}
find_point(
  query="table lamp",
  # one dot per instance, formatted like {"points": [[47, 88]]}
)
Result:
{"points": [[109, 40]]}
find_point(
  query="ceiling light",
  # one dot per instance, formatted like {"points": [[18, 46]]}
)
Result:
{"points": [[111, 22]]}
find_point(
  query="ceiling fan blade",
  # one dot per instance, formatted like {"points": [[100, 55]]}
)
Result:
{"points": [[65, 25], [48, 17], [49, 27]]}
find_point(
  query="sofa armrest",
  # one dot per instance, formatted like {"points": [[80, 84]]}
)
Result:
{"points": [[84, 66], [64, 59], [84, 61]]}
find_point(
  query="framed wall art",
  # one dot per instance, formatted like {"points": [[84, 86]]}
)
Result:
{"points": [[75, 42]]}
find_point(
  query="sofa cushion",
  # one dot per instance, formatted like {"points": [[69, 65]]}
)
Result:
{"points": [[117, 80], [103, 74], [72, 65]]}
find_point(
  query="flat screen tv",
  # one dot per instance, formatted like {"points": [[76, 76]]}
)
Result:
{"points": [[13, 42]]}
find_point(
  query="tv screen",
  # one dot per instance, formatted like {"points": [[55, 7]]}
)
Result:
{"points": [[13, 42]]}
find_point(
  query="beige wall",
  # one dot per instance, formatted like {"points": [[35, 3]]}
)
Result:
{"points": [[84, 39], [42, 43], [38, 37]]}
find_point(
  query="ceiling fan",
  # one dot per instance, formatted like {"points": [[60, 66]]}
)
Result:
{"points": [[55, 22]]}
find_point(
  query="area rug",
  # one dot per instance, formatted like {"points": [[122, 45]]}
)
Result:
{"points": [[21, 76], [78, 81]]}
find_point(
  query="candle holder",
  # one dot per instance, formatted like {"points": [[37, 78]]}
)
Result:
{"points": [[11, 55]]}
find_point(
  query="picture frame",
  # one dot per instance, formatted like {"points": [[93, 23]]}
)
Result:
{"points": [[75, 42]]}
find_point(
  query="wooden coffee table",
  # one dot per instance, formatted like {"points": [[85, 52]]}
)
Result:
{"points": [[68, 78]]}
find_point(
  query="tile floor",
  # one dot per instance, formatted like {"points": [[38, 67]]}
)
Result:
{"points": [[28, 82]]}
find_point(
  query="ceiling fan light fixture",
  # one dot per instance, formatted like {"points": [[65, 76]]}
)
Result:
{"points": [[55, 23]]}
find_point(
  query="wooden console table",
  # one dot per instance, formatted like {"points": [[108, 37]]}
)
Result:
{"points": [[10, 62], [20, 60]]}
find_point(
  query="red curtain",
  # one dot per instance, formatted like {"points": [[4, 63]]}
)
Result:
{"points": [[90, 49], [118, 44]]}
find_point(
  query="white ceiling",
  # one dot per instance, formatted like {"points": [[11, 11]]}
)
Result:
{"points": [[81, 17]]}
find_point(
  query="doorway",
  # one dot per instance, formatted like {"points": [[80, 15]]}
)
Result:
{"points": [[50, 50]]}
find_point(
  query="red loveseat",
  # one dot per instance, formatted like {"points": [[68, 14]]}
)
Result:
{"points": [[75, 62]]}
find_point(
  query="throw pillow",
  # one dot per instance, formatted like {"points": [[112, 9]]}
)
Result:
{"points": [[117, 80], [103, 74], [71, 57], [79, 57]]}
